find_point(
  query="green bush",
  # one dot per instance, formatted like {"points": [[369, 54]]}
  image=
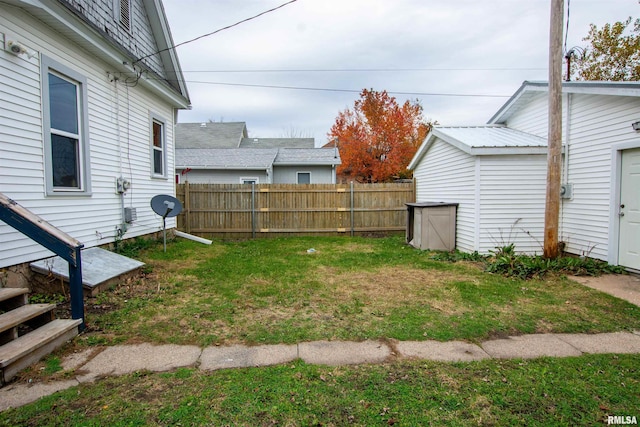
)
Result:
{"points": [[505, 261]]}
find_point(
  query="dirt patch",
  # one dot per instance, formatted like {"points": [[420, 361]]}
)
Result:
{"points": [[394, 286]]}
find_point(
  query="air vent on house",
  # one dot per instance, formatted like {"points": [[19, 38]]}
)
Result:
{"points": [[125, 14]]}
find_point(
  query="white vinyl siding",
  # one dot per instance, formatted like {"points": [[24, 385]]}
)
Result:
{"points": [[512, 202], [447, 174], [119, 135], [288, 174], [205, 176], [532, 117], [597, 123], [138, 39]]}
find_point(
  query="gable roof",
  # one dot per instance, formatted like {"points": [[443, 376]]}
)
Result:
{"points": [[278, 143], [225, 158], [210, 135], [69, 20], [483, 140], [307, 156], [529, 89]]}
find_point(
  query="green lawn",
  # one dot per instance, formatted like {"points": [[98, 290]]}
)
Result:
{"points": [[543, 392], [275, 291]]}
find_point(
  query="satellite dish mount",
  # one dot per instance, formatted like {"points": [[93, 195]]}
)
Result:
{"points": [[167, 207]]}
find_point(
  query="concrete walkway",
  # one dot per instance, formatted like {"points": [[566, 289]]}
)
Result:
{"points": [[95, 363]]}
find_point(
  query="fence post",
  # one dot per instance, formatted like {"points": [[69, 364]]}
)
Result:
{"points": [[253, 210], [187, 207], [352, 219]]}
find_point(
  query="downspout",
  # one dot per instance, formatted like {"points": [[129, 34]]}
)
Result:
{"points": [[565, 169], [567, 128]]}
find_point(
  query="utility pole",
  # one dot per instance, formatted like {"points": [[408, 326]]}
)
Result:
{"points": [[554, 153]]}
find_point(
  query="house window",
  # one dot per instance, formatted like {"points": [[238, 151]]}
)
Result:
{"points": [[252, 180], [65, 131], [124, 13], [158, 148], [304, 178]]}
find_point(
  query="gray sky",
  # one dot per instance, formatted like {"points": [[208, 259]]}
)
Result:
{"points": [[425, 47]]}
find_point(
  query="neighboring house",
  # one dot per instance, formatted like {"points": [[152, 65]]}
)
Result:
{"points": [[221, 153], [497, 173], [88, 109]]}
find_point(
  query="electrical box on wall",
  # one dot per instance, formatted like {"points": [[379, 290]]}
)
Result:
{"points": [[130, 215], [122, 185], [566, 191]]}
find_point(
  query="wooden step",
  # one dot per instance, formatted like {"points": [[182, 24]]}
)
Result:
{"points": [[11, 298], [28, 349], [23, 314], [8, 293]]}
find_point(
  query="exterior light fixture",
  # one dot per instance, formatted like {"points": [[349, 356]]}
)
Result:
{"points": [[636, 126]]}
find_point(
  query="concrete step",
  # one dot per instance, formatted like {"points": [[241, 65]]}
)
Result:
{"points": [[29, 348], [23, 314]]}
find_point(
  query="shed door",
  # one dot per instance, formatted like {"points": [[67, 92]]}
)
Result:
{"points": [[629, 250]]}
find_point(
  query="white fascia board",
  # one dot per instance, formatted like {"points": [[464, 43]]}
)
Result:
{"points": [[160, 27], [422, 150], [501, 151]]}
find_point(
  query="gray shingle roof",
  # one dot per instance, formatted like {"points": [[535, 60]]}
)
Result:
{"points": [[225, 158], [277, 143], [210, 135], [308, 156]]}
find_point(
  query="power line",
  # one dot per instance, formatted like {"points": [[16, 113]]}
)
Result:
{"points": [[362, 70], [347, 90], [218, 30]]}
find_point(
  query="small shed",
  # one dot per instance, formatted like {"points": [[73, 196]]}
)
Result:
{"points": [[432, 225], [497, 172], [496, 176]]}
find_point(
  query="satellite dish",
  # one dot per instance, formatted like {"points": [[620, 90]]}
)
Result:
{"points": [[167, 207]]}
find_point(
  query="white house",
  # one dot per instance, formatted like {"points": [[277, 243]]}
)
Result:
{"points": [[89, 94], [497, 173]]}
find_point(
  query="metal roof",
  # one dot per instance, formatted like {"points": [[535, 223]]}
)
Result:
{"points": [[489, 137], [483, 140], [210, 135]]}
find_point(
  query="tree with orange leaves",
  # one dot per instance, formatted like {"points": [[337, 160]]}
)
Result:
{"points": [[378, 138]]}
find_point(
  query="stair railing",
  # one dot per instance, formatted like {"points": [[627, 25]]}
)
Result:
{"points": [[54, 239]]}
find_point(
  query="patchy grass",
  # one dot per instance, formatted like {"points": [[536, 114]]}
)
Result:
{"points": [[274, 291], [542, 392]]}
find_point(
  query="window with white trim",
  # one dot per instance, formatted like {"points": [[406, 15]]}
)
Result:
{"points": [[303, 177], [158, 148], [252, 180], [65, 130]]}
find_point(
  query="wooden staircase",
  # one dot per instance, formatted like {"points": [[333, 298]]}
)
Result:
{"points": [[28, 332]]}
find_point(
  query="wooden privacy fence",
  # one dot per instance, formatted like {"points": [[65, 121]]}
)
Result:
{"points": [[260, 210]]}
